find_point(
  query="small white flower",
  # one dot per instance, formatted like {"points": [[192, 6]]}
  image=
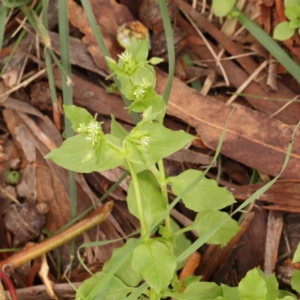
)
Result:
{"points": [[145, 141], [92, 139], [125, 56], [81, 128], [139, 92], [92, 131], [93, 128], [145, 83]]}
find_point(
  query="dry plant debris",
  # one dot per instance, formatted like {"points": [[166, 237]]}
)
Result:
{"points": [[225, 59]]}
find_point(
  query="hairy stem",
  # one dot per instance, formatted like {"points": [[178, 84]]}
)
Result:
{"points": [[139, 202], [163, 185]]}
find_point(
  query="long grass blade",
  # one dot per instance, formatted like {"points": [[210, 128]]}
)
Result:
{"points": [[3, 15], [138, 292], [48, 56], [15, 47], [291, 66], [16, 3], [170, 47], [67, 90]]}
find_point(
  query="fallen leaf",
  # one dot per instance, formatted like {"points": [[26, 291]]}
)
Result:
{"points": [[251, 138]]}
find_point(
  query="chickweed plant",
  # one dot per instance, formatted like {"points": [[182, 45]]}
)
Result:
{"points": [[146, 267]]}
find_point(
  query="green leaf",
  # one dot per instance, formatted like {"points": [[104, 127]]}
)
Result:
{"points": [[296, 257], [286, 295], [295, 282], [283, 31], [139, 50], [154, 262], [147, 73], [253, 286], [206, 220], [190, 279], [111, 62], [164, 142], [294, 24], [117, 129], [222, 7], [115, 290], [205, 196], [153, 201], [76, 155], [77, 115], [272, 286], [125, 272], [181, 244], [156, 102], [292, 11], [156, 60], [202, 291], [291, 2], [231, 293]]}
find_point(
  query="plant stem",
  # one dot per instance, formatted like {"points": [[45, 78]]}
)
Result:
{"points": [[139, 202], [114, 147], [163, 185]]}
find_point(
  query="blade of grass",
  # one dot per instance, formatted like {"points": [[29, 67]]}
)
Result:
{"points": [[99, 38], [138, 292], [15, 3], [3, 15], [99, 244], [37, 24], [47, 55], [15, 47], [196, 84], [170, 46], [67, 89], [40, 29], [83, 214], [276, 51]]}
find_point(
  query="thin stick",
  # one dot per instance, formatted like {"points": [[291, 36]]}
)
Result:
{"points": [[247, 82], [189, 268], [95, 218]]}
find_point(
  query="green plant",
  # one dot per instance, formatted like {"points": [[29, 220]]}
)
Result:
{"points": [[286, 30], [152, 259], [13, 177]]}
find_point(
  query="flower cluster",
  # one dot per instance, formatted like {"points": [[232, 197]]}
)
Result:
{"points": [[92, 131], [140, 90], [141, 139], [125, 56]]}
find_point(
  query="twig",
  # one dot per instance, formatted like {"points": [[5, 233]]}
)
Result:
{"points": [[189, 268], [95, 218]]}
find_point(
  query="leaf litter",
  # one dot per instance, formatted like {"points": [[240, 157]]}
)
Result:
{"points": [[224, 60]]}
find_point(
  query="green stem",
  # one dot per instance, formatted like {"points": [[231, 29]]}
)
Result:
{"points": [[114, 147], [163, 185], [181, 231], [139, 202]]}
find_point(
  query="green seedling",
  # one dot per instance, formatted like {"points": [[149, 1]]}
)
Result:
{"points": [[13, 177], [153, 257], [146, 267], [285, 30]]}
